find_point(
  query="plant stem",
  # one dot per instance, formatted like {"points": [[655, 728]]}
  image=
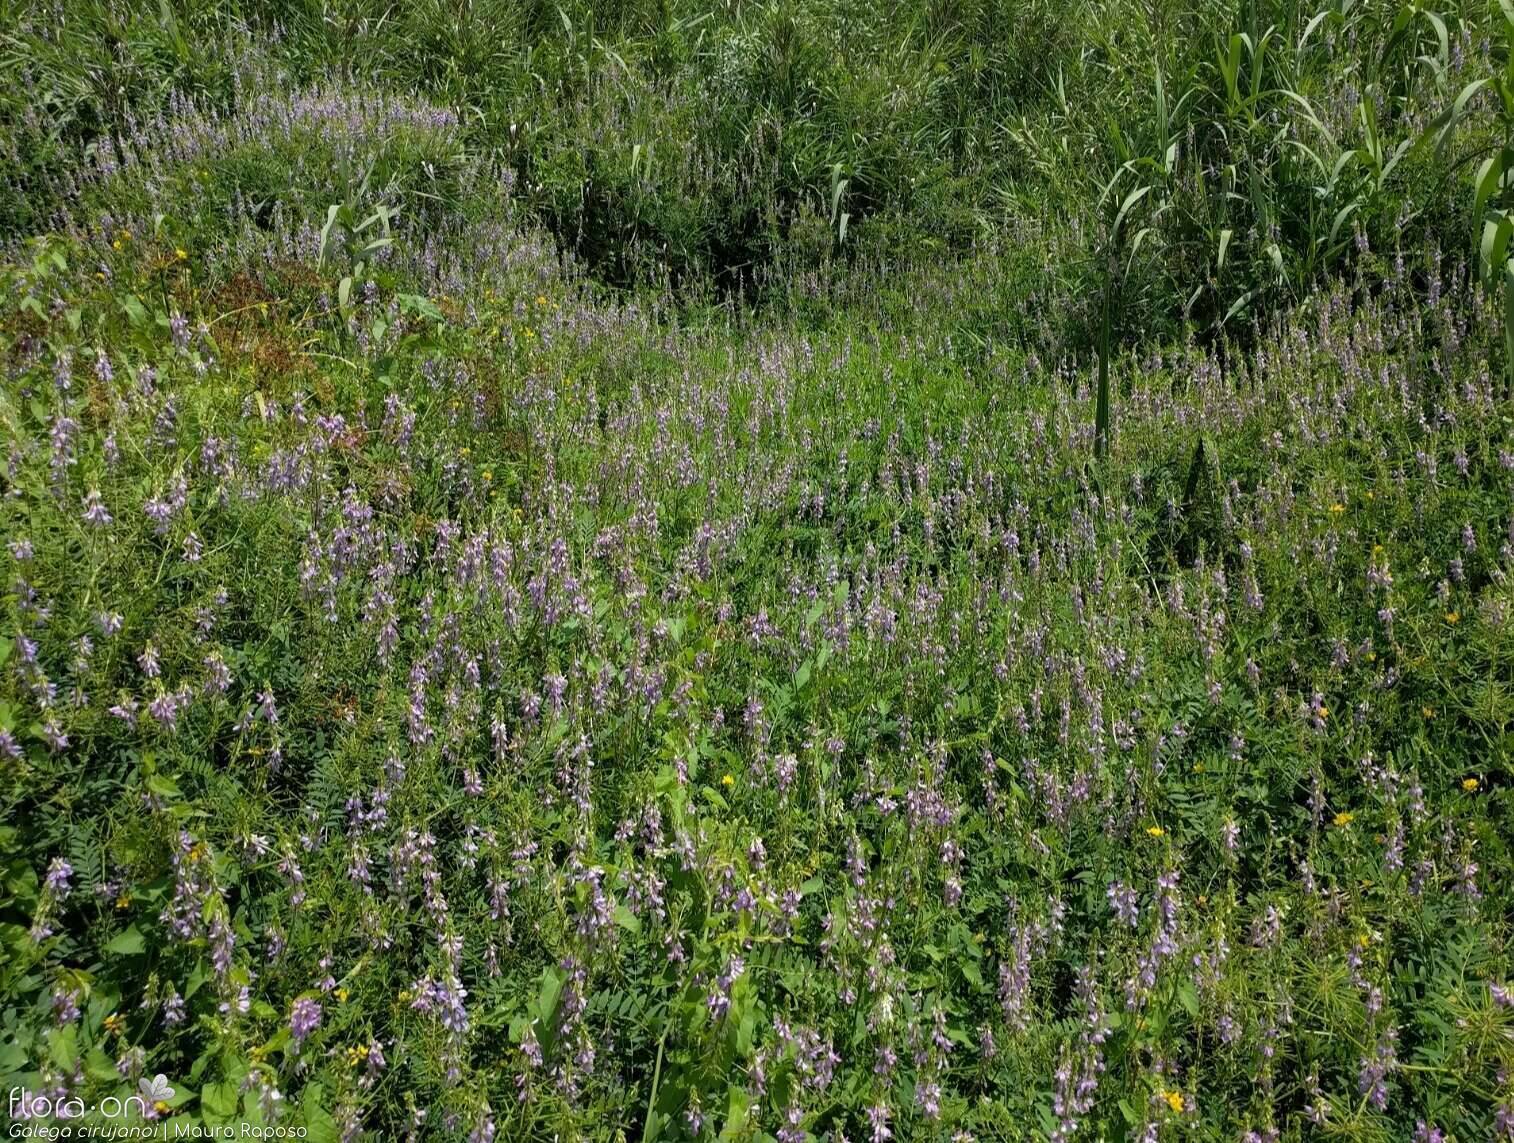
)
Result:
{"points": [[1101, 409], [652, 1128]]}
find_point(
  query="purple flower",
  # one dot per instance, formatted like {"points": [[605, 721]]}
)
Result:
{"points": [[445, 999], [65, 1005], [304, 1018], [59, 875], [173, 1008], [53, 735], [928, 1099], [1230, 835], [1122, 899], [1372, 1080], [95, 512]]}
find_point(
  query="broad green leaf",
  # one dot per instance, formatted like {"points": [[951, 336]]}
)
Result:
{"points": [[63, 1047], [547, 997], [1485, 184], [136, 312], [1495, 245], [219, 1100], [1131, 200], [128, 942], [737, 1113]]}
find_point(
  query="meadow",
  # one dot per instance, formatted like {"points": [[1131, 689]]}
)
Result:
{"points": [[764, 572]]}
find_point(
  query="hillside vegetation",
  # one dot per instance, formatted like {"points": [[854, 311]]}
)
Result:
{"points": [[774, 572]]}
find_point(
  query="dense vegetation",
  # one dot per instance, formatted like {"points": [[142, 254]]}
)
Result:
{"points": [[774, 572]]}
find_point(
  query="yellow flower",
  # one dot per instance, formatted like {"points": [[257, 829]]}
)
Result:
{"points": [[1174, 1100], [1344, 818], [179, 253], [1428, 712], [355, 1056], [1337, 508], [1469, 784], [488, 475], [123, 901], [728, 781], [1156, 831], [1453, 617], [115, 1023], [341, 995]]}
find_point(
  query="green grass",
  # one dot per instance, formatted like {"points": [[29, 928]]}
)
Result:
{"points": [[771, 572]]}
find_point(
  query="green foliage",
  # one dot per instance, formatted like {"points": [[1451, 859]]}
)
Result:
{"points": [[553, 587], [663, 143]]}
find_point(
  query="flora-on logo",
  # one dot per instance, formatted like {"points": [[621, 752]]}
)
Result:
{"points": [[156, 1093], [150, 1102]]}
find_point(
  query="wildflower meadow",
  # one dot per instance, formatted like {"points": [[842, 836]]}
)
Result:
{"points": [[669, 571]]}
